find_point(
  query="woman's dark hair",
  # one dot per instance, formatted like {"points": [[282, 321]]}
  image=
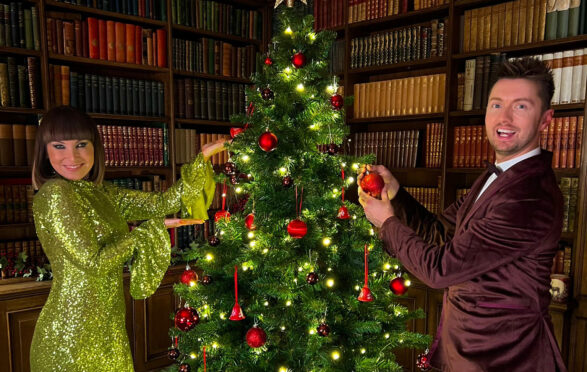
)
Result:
{"points": [[61, 124]]}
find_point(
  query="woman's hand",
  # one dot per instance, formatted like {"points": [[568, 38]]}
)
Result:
{"points": [[213, 148]]}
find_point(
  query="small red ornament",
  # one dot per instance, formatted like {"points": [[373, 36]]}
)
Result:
{"points": [[213, 241], [173, 353], [372, 184], [229, 168], [297, 229], [332, 149], [189, 277], [343, 213], [287, 181], [237, 312], [366, 295], [312, 278], [256, 337], [337, 101], [206, 279], [186, 318], [222, 215], [268, 61], [423, 361], [298, 60], [323, 330], [267, 94], [235, 131], [250, 221], [398, 286], [184, 367], [234, 180], [268, 141]]}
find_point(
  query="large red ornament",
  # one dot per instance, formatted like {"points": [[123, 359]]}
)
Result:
{"points": [[398, 286], [268, 141], [236, 131], [298, 60], [250, 221], [372, 184], [256, 337], [268, 61], [337, 101], [189, 277], [343, 213], [186, 318], [297, 229], [222, 215]]}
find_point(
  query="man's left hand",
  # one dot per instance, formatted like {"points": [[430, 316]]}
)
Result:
{"points": [[376, 211]]}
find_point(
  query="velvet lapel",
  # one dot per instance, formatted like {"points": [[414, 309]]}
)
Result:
{"points": [[470, 198]]}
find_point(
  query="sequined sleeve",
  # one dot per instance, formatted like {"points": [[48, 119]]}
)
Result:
{"points": [[65, 230], [193, 193]]}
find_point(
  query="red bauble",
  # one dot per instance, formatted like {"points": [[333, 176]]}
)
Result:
{"points": [[312, 278], [189, 277], [206, 279], [236, 131], [222, 215], [323, 330], [372, 184], [398, 286], [343, 213], [186, 318], [256, 337], [267, 94], [298, 60], [250, 221], [268, 61], [229, 168], [213, 241], [184, 367], [287, 181], [173, 353], [332, 149], [268, 141], [297, 229], [366, 295], [423, 361], [337, 101]]}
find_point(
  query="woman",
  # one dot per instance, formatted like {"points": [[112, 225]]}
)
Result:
{"points": [[82, 225]]}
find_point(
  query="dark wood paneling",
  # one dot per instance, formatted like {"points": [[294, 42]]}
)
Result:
{"points": [[21, 327]]}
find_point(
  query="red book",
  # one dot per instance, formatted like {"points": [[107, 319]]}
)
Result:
{"points": [[102, 39], [130, 43], [110, 40], [138, 45], [161, 48], [94, 49], [120, 42]]}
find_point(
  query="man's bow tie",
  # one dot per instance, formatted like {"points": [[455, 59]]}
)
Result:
{"points": [[492, 168]]}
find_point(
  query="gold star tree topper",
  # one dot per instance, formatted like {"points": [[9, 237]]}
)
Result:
{"points": [[289, 3]]}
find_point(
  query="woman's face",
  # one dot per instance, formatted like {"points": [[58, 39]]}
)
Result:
{"points": [[72, 159]]}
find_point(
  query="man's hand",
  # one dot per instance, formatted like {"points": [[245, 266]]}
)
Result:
{"points": [[213, 148], [377, 211], [391, 183]]}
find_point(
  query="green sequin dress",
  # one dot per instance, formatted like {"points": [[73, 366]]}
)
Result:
{"points": [[83, 229]]}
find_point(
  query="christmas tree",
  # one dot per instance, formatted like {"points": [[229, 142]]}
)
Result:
{"points": [[285, 284]]}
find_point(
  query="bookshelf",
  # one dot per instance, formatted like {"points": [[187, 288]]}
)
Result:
{"points": [[144, 59], [364, 20]]}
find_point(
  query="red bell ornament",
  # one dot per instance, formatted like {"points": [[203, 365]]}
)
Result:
{"points": [[398, 286], [337, 102], [250, 221], [298, 60], [256, 337], [372, 184], [222, 215], [343, 213], [268, 141], [297, 229], [236, 313], [186, 318], [268, 61], [189, 277], [236, 131]]}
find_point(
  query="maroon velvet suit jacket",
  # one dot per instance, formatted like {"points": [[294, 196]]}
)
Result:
{"points": [[494, 257]]}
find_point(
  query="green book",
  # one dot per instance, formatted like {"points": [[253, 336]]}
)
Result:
{"points": [[147, 98], [28, 29], [116, 95], [109, 98], [154, 99], [4, 95], [562, 19], [574, 17], [122, 95], [12, 82], [73, 98], [161, 103], [582, 17], [23, 97], [551, 20], [163, 8]]}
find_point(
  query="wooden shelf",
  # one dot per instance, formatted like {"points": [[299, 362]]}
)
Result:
{"points": [[216, 35], [405, 18], [211, 76], [162, 119], [104, 13], [20, 51], [104, 63], [208, 122], [16, 171], [20, 110], [401, 67], [390, 119]]}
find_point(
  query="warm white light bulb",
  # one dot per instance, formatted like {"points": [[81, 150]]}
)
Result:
{"points": [[326, 242], [300, 87], [251, 235], [330, 282], [288, 30], [209, 257], [246, 158], [335, 355]]}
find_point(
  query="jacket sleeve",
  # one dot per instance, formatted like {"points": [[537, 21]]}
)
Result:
{"points": [[193, 192], [511, 228]]}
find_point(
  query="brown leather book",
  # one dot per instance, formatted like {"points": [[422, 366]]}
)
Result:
{"points": [[515, 22], [129, 33], [79, 46], [487, 149], [110, 41], [500, 25], [455, 147], [541, 20], [393, 97], [468, 146], [508, 27], [473, 44], [522, 21], [120, 39], [30, 134], [51, 46], [59, 35], [6, 145], [65, 93], [467, 31], [376, 99], [531, 23], [68, 38], [418, 95], [488, 28], [33, 80], [410, 96], [572, 142], [19, 143], [102, 40], [550, 136], [557, 142], [138, 45], [564, 141]]}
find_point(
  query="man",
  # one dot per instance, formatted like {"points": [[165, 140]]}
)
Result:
{"points": [[492, 250]]}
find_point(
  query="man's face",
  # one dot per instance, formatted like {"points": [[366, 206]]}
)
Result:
{"points": [[514, 118]]}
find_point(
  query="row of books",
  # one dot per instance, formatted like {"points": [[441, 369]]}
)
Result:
{"points": [[561, 263], [150, 183], [471, 147], [407, 96], [569, 188], [208, 99], [17, 143], [429, 197], [188, 143], [328, 14], [216, 57], [218, 17], [19, 26], [106, 94], [153, 9], [400, 45], [68, 34], [394, 149], [16, 202], [19, 82], [433, 146], [20, 258], [564, 138], [567, 18], [126, 146], [362, 10]]}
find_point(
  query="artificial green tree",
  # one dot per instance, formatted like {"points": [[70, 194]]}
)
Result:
{"points": [[299, 292]]}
